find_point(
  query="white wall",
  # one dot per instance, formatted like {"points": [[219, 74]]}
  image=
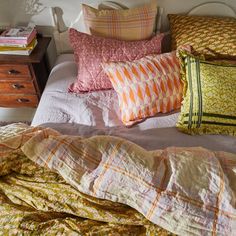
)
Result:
{"points": [[20, 11]]}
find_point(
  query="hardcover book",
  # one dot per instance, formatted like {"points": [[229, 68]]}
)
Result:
{"points": [[19, 50], [19, 35]]}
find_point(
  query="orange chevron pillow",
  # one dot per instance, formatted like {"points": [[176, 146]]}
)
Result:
{"points": [[147, 86]]}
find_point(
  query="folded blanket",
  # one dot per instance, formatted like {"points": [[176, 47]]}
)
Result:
{"points": [[187, 191]]}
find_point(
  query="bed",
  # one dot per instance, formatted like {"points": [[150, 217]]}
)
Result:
{"points": [[98, 112], [77, 170]]}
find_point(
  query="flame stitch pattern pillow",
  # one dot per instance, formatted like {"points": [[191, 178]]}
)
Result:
{"points": [[213, 37], [147, 86]]}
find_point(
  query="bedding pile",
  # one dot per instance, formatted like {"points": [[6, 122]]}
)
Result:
{"points": [[124, 74], [37, 201], [52, 183]]}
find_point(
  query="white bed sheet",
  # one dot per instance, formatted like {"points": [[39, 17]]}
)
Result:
{"points": [[98, 109], [97, 113]]}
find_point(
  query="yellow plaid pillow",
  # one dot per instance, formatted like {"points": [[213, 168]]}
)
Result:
{"points": [[215, 37], [129, 24]]}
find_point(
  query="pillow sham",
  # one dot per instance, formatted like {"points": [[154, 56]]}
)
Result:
{"points": [[126, 24], [209, 104], [212, 36], [90, 51], [146, 86]]}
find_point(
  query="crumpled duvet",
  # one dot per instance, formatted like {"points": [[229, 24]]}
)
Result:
{"points": [[52, 183]]}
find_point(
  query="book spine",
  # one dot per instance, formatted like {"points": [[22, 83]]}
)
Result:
{"points": [[31, 36], [11, 48], [22, 52], [25, 52], [13, 41], [13, 45]]}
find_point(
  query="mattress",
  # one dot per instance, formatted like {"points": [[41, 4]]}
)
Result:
{"points": [[97, 113]]}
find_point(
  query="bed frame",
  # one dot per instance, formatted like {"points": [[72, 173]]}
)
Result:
{"points": [[61, 35], [61, 30]]}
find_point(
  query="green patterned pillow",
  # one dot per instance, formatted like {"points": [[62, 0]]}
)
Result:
{"points": [[209, 104]]}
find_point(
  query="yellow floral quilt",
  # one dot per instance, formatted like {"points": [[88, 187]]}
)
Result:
{"points": [[53, 184], [37, 201]]}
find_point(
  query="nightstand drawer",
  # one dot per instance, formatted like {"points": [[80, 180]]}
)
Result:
{"points": [[23, 78], [14, 87], [15, 71], [18, 100]]}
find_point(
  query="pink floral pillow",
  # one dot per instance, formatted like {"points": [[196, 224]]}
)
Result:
{"points": [[91, 51]]}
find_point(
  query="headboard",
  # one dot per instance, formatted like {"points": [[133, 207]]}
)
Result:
{"points": [[61, 34], [217, 9], [61, 30]]}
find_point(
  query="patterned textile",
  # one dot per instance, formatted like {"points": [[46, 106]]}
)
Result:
{"points": [[188, 191], [209, 104], [146, 86], [37, 201], [91, 51], [130, 24], [212, 36]]}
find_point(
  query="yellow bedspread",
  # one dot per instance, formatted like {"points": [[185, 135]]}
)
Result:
{"points": [[37, 201], [53, 184]]}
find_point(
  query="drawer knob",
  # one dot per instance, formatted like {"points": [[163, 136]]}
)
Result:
{"points": [[23, 100], [18, 86], [13, 72]]}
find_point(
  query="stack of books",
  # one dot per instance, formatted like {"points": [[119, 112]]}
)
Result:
{"points": [[18, 40]]}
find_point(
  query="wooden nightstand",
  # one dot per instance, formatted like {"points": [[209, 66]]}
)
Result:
{"points": [[23, 78]]}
